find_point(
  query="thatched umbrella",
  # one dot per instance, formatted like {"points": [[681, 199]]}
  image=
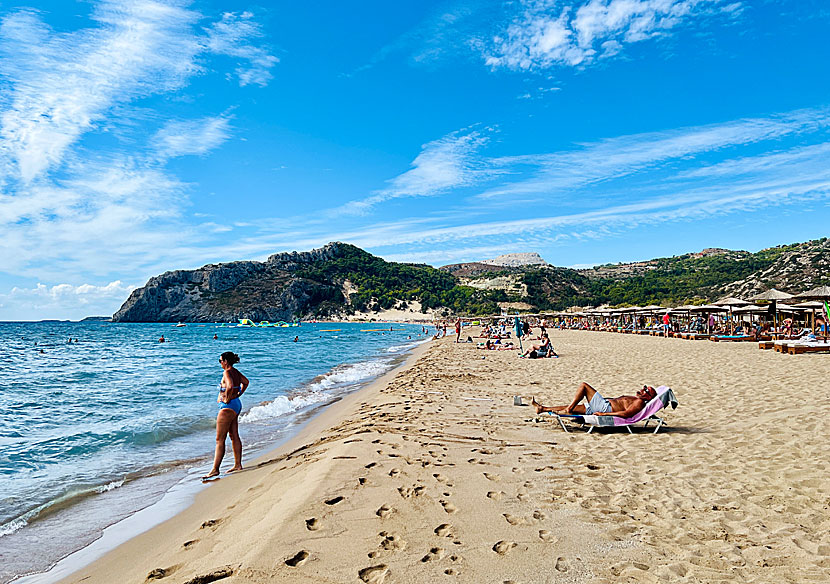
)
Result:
{"points": [[731, 302], [773, 296], [820, 293]]}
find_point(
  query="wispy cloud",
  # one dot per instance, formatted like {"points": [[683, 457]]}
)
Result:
{"points": [[64, 208], [448, 32], [444, 164], [194, 137], [592, 163], [232, 36], [548, 33]]}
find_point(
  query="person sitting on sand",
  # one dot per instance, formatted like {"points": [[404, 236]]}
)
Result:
{"points": [[540, 351], [233, 385], [624, 406]]}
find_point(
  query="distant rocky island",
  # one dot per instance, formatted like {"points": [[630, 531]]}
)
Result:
{"points": [[340, 280]]}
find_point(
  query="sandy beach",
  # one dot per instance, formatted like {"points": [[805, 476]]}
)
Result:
{"points": [[432, 474]]}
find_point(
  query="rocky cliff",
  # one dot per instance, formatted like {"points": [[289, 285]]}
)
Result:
{"points": [[270, 290]]}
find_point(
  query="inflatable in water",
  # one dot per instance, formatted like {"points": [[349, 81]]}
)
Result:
{"points": [[246, 322]]}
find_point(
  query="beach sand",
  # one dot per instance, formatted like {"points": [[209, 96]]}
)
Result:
{"points": [[433, 475]]}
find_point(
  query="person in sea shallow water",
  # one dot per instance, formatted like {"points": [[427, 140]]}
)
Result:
{"points": [[624, 406], [233, 385]]}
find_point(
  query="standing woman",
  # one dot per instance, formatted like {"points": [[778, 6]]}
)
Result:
{"points": [[233, 385]]}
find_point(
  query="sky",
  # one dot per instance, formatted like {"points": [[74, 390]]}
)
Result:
{"points": [[143, 136]]}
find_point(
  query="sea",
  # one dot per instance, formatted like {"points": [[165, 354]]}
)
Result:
{"points": [[114, 422]]}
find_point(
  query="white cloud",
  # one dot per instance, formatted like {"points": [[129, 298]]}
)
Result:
{"points": [[62, 84], [549, 33], [194, 137], [64, 208], [447, 163], [592, 163], [63, 301], [231, 36]]}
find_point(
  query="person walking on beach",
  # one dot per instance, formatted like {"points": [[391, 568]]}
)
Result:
{"points": [[458, 330], [233, 385]]}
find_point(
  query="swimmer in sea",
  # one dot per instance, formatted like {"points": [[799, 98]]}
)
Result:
{"points": [[161, 340], [233, 385]]}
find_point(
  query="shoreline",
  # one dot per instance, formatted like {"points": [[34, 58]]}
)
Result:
{"points": [[431, 473], [181, 492], [183, 495]]}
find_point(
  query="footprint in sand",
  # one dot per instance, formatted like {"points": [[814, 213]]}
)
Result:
{"points": [[391, 542], [361, 481], [448, 506], [312, 524], [188, 544], [394, 472], [495, 495], [159, 573], [502, 547], [371, 464], [210, 523], [440, 478], [561, 565], [435, 553], [333, 501], [443, 530], [547, 536], [492, 477], [297, 559], [373, 574], [513, 519], [384, 511], [218, 574], [539, 516]]}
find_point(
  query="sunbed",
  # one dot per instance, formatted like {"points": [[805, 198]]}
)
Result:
{"points": [[731, 338], [814, 347], [648, 414]]}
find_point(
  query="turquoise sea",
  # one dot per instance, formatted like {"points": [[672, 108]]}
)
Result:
{"points": [[97, 429]]}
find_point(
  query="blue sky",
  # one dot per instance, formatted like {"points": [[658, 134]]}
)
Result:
{"points": [[143, 136]]}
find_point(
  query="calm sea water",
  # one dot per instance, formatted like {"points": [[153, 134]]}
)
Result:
{"points": [[95, 430]]}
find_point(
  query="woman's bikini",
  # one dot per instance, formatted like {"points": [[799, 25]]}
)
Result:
{"points": [[235, 404]]}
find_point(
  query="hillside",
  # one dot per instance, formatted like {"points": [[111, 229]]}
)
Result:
{"points": [[339, 280], [690, 278]]}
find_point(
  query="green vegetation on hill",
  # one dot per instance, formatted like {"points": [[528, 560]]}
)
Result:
{"points": [[383, 285]]}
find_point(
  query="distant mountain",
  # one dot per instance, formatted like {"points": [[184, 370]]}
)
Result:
{"points": [[341, 279]]}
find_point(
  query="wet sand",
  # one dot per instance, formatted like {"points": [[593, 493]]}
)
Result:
{"points": [[432, 474]]}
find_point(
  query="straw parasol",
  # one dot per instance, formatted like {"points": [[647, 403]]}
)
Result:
{"points": [[773, 296], [820, 293], [731, 302]]}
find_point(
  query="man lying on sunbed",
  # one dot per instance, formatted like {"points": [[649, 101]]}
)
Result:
{"points": [[624, 406]]}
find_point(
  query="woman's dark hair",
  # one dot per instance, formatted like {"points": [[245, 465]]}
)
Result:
{"points": [[229, 357]]}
